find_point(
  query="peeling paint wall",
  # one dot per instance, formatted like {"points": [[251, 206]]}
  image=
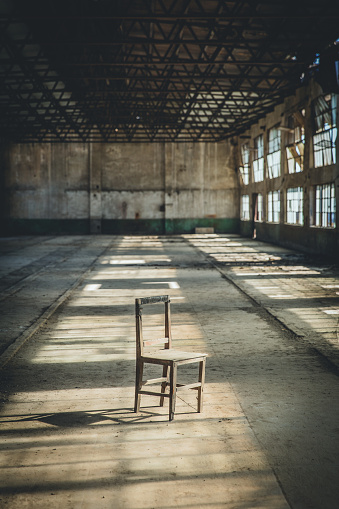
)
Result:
{"points": [[46, 181], [132, 180], [201, 180]]}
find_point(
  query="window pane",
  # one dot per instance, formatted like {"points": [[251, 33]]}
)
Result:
{"points": [[245, 208], [260, 208], [295, 157], [274, 154], [258, 161], [325, 130], [245, 164], [294, 207], [273, 207], [325, 206]]}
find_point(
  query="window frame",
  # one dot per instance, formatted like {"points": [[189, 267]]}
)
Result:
{"points": [[258, 159], [274, 153], [324, 110], [295, 214], [259, 207], [324, 197], [273, 207], [245, 212], [245, 164], [295, 146]]}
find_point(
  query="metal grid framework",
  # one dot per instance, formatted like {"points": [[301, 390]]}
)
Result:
{"points": [[152, 70]]}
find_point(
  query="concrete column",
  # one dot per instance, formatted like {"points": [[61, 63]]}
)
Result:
{"points": [[95, 208]]}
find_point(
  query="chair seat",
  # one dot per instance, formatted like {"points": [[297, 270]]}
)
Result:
{"points": [[167, 356]]}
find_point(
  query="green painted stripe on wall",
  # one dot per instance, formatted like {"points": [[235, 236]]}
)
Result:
{"points": [[130, 226], [168, 226], [44, 227], [220, 225]]}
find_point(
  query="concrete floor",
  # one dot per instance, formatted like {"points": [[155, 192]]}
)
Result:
{"points": [[268, 318]]}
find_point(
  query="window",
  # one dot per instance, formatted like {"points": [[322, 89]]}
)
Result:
{"points": [[273, 156], [245, 164], [245, 208], [296, 142], [325, 206], [325, 130], [258, 162], [273, 207], [294, 207], [259, 208]]}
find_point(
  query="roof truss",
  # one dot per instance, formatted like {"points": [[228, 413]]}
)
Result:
{"points": [[152, 70]]}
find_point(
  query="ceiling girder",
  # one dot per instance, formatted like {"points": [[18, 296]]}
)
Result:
{"points": [[152, 70]]}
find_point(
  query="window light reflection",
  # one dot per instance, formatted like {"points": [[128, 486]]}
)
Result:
{"points": [[171, 284], [92, 287], [118, 261]]}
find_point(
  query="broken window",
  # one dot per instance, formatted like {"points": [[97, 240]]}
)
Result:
{"points": [[274, 154], [273, 207], [325, 206], [245, 208], [294, 206], [324, 130], [245, 164], [296, 142], [258, 161]]}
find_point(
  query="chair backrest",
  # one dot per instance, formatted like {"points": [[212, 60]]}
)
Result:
{"points": [[167, 339]]}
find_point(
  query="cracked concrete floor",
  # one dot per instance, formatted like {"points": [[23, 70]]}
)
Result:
{"points": [[268, 435]]}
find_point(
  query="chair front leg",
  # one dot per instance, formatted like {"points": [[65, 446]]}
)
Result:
{"points": [[202, 381], [165, 373], [138, 384], [173, 390]]}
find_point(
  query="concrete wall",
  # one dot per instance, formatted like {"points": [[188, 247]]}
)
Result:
{"points": [[307, 237], [119, 188]]}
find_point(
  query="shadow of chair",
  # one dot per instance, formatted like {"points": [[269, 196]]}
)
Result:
{"points": [[166, 357]]}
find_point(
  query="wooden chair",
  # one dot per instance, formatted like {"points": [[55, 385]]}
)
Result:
{"points": [[167, 357]]}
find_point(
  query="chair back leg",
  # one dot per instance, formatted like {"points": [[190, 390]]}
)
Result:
{"points": [[138, 384], [202, 381], [173, 390]]}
